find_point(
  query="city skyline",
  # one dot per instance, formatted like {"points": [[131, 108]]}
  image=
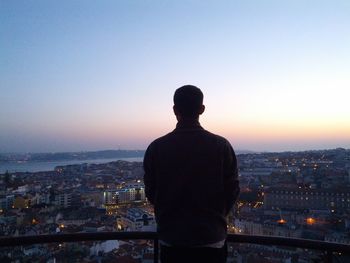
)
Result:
{"points": [[91, 76]]}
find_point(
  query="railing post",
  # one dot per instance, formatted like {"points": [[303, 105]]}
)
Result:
{"points": [[329, 256], [156, 250]]}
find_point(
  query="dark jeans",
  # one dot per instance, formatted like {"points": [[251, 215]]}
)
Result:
{"points": [[193, 255]]}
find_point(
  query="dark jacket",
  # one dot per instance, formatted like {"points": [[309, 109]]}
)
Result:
{"points": [[191, 179]]}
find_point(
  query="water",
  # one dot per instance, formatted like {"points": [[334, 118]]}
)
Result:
{"points": [[49, 166]]}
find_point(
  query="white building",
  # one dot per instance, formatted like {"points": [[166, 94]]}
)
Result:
{"points": [[130, 193], [138, 219]]}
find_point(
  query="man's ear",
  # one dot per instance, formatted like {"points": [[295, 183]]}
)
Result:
{"points": [[175, 110], [201, 110]]}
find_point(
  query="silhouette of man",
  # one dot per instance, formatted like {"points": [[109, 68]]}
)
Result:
{"points": [[191, 180]]}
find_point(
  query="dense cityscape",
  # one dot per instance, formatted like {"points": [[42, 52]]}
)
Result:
{"points": [[289, 194], [87, 86]]}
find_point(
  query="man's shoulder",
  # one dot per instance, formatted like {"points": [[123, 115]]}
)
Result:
{"points": [[205, 133], [161, 139], [172, 137], [219, 138]]}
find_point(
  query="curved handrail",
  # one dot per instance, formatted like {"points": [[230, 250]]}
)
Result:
{"points": [[234, 238], [76, 237], [290, 242]]}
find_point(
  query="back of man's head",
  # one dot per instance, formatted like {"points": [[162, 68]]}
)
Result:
{"points": [[188, 101]]}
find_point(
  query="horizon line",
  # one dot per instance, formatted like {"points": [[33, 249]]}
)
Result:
{"points": [[243, 151]]}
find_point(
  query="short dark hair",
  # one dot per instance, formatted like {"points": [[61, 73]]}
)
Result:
{"points": [[188, 100]]}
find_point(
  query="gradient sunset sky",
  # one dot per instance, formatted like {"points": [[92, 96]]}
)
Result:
{"points": [[93, 75]]}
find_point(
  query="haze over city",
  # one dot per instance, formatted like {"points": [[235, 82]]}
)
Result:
{"points": [[88, 75]]}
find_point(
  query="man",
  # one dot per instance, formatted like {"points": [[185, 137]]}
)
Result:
{"points": [[191, 180]]}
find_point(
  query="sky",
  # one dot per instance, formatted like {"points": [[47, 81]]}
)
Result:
{"points": [[92, 75]]}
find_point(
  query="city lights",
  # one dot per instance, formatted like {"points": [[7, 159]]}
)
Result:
{"points": [[86, 86], [310, 221], [281, 221]]}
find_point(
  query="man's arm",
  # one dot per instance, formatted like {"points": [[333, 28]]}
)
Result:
{"points": [[149, 176], [231, 183]]}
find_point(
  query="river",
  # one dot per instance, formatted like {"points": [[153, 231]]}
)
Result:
{"points": [[50, 165]]}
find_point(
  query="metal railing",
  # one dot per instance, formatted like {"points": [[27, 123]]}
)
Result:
{"points": [[327, 247]]}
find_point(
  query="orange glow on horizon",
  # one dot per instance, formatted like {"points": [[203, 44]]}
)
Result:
{"points": [[243, 134], [285, 131]]}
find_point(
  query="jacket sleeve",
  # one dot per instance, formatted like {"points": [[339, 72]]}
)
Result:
{"points": [[149, 174], [231, 183]]}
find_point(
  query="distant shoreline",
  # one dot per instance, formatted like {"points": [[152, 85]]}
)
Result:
{"points": [[37, 162], [70, 156], [43, 166]]}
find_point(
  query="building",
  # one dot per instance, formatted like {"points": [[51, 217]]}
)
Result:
{"points": [[6, 201], [125, 195], [266, 228], [131, 194], [137, 219], [304, 198], [67, 199]]}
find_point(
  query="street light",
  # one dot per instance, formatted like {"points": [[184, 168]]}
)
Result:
{"points": [[310, 221]]}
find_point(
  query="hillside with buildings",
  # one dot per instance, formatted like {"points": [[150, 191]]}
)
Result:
{"points": [[288, 194]]}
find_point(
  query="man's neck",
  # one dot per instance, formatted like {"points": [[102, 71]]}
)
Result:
{"points": [[187, 123]]}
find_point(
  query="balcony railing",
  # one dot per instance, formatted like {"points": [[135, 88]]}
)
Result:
{"points": [[327, 247]]}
